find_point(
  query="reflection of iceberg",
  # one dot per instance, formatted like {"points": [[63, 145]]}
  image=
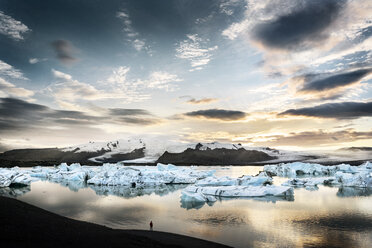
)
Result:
{"points": [[14, 191], [352, 191], [72, 185], [197, 204], [311, 183], [129, 192]]}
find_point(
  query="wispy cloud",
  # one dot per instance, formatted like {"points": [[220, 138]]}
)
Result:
{"points": [[117, 86], [10, 89], [228, 6], [36, 60], [9, 71], [64, 51], [311, 138], [162, 80], [195, 50], [192, 100], [133, 36], [11, 27]]}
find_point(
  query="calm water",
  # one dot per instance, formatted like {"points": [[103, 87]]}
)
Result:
{"points": [[329, 217]]}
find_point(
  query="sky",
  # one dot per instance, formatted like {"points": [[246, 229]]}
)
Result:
{"points": [[290, 74]]}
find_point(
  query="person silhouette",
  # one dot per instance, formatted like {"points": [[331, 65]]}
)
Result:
{"points": [[151, 225]]}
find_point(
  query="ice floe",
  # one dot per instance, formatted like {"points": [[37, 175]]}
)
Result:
{"points": [[146, 176], [209, 193], [13, 176], [309, 169]]}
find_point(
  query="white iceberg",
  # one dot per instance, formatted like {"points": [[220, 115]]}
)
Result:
{"points": [[240, 181], [146, 176], [238, 191], [309, 169], [73, 172], [13, 176]]}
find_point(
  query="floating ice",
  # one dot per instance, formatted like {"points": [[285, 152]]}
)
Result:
{"points": [[146, 176], [73, 172], [13, 176], [300, 169], [236, 191], [228, 181]]}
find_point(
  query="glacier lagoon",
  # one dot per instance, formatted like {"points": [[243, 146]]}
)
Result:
{"points": [[317, 216]]}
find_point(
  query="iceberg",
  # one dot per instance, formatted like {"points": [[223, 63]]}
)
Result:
{"points": [[298, 169], [112, 175], [239, 191], [360, 180], [8, 177], [73, 172], [228, 181]]}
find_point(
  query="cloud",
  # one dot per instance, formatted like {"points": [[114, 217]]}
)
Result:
{"points": [[195, 50], [133, 36], [298, 36], [124, 16], [126, 112], [11, 90], [329, 85], [9, 71], [12, 28], [228, 6], [17, 115], [117, 86], [311, 138], [303, 27], [64, 51], [219, 114], [36, 60], [336, 81], [204, 100], [342, 110], [162, 80]]}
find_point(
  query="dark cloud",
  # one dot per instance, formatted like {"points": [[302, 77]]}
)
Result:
{"points": [[305, 25], [17, 115], [343, 110], [335, 81], [126, 112], [138, 120], [64, 51], [221, 114]]}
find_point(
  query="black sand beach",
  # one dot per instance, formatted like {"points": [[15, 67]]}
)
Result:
{"points": [[24, 225]]}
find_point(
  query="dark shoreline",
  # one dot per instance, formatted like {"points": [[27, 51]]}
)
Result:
{"points": [[24, 225]]}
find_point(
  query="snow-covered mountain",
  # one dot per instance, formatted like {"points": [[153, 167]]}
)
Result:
{"points": [[152, 148]]}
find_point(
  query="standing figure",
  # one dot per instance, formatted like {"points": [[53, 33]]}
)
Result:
{"points": [[151, 225]]}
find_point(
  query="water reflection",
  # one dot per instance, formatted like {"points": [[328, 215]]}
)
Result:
{"points": [[129, 192], [352, 192], [14, 191]]}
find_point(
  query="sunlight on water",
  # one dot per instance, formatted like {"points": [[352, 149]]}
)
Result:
{"points": [[325, 217]]}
